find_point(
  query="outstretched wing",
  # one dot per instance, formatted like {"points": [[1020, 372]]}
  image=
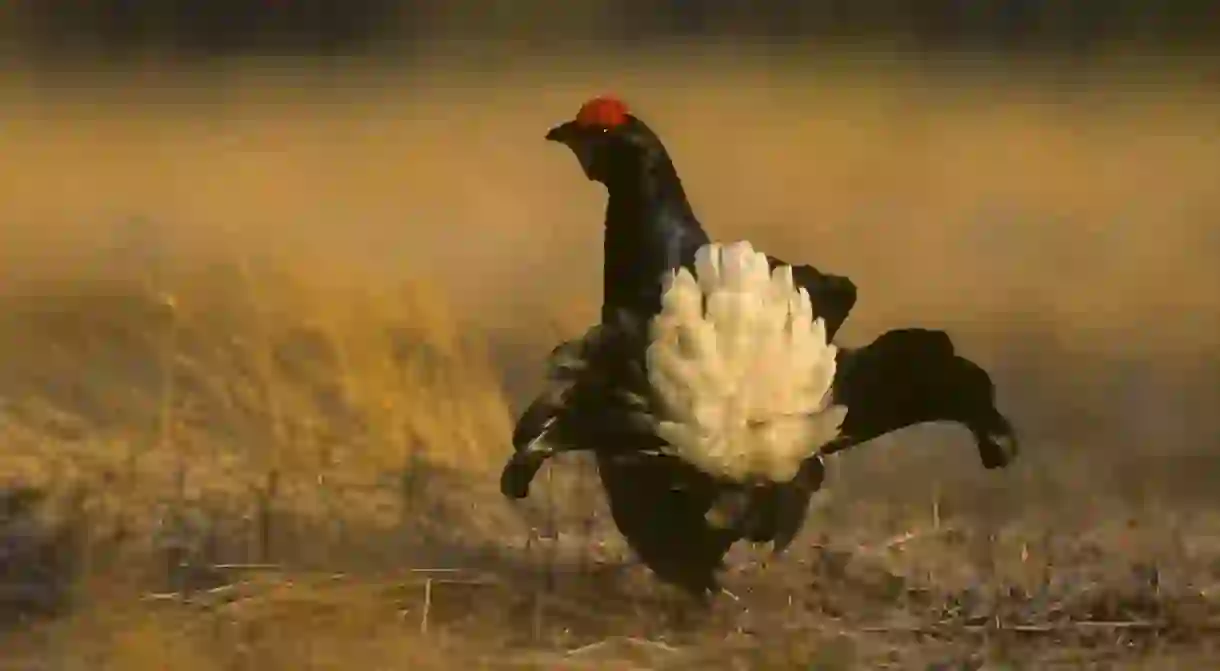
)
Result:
{"points": [[915, 376], [833, 296]]}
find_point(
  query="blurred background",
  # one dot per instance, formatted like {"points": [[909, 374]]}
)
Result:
{"points": [[191, 29], [275, 275], [1035, 175], [1038, 176]]}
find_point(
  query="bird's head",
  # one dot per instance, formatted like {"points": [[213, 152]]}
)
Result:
{"points": [[608, 141]]}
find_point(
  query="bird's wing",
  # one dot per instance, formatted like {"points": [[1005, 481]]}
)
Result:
{"points": [[535, 421], [833, 296], [914, 376], [580, 372], [564, 364]]}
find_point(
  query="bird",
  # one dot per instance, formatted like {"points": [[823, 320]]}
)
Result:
{"points": [[712, 387]]}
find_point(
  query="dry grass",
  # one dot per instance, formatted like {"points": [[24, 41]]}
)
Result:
{"points": [[253, 349]]}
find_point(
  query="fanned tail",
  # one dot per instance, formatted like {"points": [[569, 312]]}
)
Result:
{"points": [[740, 368]]}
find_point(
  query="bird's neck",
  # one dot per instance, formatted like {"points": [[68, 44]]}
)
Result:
{"points": [[650, 229]]}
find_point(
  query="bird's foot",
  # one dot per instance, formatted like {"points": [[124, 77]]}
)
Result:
{"points": [[793, 504], [729, 509]]}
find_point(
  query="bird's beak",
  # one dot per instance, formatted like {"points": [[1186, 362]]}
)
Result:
{"points": [[562, 133], [572, 136]]}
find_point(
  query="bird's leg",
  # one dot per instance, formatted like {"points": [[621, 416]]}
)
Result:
{"points": [[730, 507], [773, 512], [792, 504], [750, 510]]}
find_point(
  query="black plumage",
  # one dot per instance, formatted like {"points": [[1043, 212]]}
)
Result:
{"points": [[681, 522]]}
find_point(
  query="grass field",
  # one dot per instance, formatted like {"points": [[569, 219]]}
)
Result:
{"points": [[263, 337]]}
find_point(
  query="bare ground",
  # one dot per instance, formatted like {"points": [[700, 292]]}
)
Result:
{"points": [[260, 347]]}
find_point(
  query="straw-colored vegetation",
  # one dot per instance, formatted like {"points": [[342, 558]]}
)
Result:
{"points": [[254, 348]]}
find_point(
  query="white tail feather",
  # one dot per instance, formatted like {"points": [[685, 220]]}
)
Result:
{"points": [[742, 370]]}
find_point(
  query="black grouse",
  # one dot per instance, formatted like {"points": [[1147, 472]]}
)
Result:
{"points": [[710, 390]]}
